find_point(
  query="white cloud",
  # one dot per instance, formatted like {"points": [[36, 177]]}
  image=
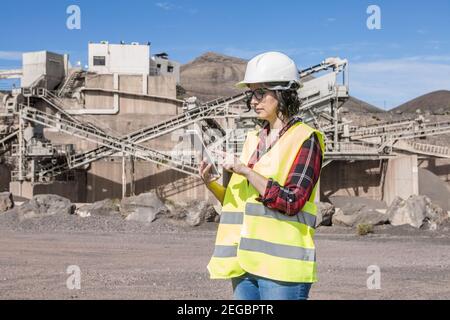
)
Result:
{"points": [[165, 5], [242, 52], [396, 81], [10, 55]]}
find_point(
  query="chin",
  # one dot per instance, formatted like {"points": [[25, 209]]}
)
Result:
{"points": [[261, 117]]}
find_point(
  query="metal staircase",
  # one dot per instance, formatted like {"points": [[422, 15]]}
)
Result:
{"points": [[69, 83], [57, 103], [400, 130], [5, 144], [422, 148]]}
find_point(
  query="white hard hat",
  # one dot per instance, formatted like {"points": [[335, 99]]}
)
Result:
{"points": [[270, 67]]}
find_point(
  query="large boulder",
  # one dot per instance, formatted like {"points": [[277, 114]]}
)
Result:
{"points": [[144, 208], [417, 211], [6, 201], [193, 213], [42, 205], [351, 211], [325, 213], [198, 212], [354, 217], [105, 207]]}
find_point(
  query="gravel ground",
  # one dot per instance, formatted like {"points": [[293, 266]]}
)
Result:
{"points": [[167, 260]]}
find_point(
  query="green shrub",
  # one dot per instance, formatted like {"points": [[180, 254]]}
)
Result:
{"points": [[363, 229]]}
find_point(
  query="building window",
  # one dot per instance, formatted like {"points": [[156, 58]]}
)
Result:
{"points": [[99, 61], [169, 68], [158, 65]]}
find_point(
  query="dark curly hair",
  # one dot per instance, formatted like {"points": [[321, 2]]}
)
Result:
{"points": [[288, 101]]}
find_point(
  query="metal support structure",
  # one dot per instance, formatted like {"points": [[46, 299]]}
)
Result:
{"points": [[321, 100], [124, 176]]}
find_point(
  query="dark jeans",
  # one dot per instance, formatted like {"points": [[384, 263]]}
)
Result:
{"points": [[253, 287]]}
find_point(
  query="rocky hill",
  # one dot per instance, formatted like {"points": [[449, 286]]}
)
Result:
{"points": [[212, 75], [355, 105], [436, 102]]}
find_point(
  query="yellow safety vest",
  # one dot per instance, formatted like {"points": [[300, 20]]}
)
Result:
{"points": [[256, 239]]}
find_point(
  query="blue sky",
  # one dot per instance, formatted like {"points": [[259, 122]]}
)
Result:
{"points": [[407, 57]]}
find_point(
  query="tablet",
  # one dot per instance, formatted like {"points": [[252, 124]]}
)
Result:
{"points": [[202, 152]]}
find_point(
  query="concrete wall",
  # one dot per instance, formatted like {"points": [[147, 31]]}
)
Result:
{"points": [[128, 102], [401, 178], [364, 179], [104, 180], [5, 177], [344, 178], [120, 58], [75, 190]]}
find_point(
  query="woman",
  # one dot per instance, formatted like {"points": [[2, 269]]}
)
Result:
{"points": [[264, 242]]}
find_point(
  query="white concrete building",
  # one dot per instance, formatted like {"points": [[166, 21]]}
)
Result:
{"points": [[105, 58]]}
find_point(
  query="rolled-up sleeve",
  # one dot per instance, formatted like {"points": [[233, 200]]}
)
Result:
{"points": [[303, 175]]}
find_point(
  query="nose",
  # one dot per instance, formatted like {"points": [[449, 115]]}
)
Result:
{"points": [[254, 102]]}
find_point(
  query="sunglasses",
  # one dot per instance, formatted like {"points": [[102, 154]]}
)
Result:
{"points": [[257, 93]]}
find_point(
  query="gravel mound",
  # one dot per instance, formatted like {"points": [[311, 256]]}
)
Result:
{"points": [[434, 188]]}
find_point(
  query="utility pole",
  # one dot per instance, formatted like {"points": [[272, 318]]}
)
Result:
{"points": [[132, 186], [21, 150], [124, 178]]}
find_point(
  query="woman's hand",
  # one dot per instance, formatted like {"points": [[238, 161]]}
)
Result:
{"points": [[236, 166], [205, 172]]}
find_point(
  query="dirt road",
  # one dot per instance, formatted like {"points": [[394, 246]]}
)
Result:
{"points": [[170, 264]]}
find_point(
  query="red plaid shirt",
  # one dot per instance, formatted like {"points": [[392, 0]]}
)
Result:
{"points": [[303, 175]]}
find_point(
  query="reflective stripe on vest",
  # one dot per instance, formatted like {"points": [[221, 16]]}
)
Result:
{"points": [[277, 250], [304, 217], [232, 217]]}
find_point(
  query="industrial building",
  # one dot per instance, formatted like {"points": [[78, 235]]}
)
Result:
{"points": [[117, 129]]}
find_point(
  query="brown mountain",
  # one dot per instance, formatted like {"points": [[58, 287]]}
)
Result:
{"points": [[436, 102], [355, 105], [213, 75]]}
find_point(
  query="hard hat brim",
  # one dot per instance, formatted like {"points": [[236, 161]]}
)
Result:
{"points": [[244, 84], [241, 85]]}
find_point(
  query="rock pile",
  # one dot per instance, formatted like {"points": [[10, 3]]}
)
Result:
{"points": [[353, 211], [43, 205], [145, 207], [417, 211]]}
